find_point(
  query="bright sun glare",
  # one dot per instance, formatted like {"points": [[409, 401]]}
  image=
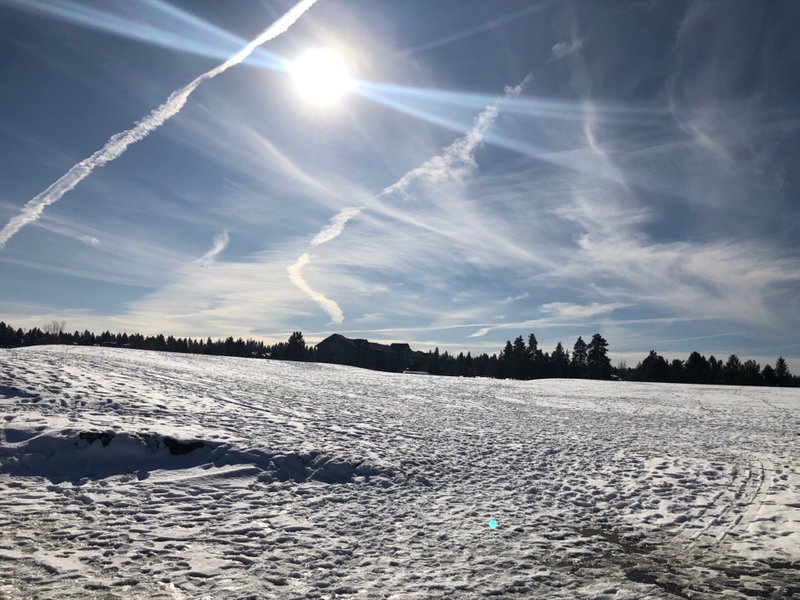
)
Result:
{"points": [[321, 76]]}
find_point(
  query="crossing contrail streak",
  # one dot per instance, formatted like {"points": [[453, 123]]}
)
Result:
{"points": [[119, 142]]}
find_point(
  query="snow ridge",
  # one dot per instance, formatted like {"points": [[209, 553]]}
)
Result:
{"points": [[70, 456]]}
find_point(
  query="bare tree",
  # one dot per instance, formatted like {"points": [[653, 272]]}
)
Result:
{"points": [[54, 327]]}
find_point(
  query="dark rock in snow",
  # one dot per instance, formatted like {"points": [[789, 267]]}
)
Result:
{"points": [[104, 436], [176, 447]]}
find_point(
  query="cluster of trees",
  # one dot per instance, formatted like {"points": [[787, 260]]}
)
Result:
{"points": [[517, 360], [698, 369], [53, 333]]}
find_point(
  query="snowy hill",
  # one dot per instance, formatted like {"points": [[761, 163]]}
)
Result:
{"points": [[150, 475]]}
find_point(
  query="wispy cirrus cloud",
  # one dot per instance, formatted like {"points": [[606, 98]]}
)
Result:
{"points": [[452, 166], [219, 244], [90, 240], [567, 310], [480, 332]]}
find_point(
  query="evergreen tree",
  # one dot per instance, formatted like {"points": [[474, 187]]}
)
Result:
{"points": [[730, 372], [696, 369], [543, 368], [750, 373], [597, 361], [505, 361], [559, 361], [677, 373], [520, 360], [578, 364], [768, 376], [534, 353], [714, 370], [296, 346], [782, 372], [653, 368]]}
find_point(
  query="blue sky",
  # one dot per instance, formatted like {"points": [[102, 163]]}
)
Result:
{"points": [[500, 168]]}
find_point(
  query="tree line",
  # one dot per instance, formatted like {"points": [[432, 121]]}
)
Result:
{"points": [[517, 360], [698, 369], [53, 333], [521, 360]]}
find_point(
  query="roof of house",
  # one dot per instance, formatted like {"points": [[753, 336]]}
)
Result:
{"points": [[337, 338]]}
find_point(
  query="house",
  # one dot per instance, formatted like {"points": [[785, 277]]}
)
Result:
{"points": [[340, 350]]}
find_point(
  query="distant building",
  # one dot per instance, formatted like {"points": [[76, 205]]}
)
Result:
{"points": [[340, 350]]}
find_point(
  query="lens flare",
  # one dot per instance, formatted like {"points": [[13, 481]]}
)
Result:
{"points": [[321, 76]]}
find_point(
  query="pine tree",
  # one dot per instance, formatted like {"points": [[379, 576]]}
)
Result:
{"points": [[653, 368], [505, 362], [730, 372], [533, 367], [560, 362], [696, 368], [768, 376], [750, 373], [714, 370], [434, 363], [520, 360], [677, 372], [782, 373], [578, 364], [597, 361], [296, 346]]}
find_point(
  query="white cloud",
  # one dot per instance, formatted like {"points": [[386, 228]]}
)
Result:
{"points": [[455, 163], [219, 244], [296, 277], [512, 299], [336, 225], [515, 90], [564, 49], [567, 310], [481, 332], [90, 240]]}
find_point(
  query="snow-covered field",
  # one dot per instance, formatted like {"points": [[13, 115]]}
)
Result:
{"points": [[148, 475]]}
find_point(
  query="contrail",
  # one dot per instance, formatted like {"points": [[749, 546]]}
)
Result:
{"points": [[296, 277], [119, 142], [458, 159], [331, 231], [336, 225], [455, 162]]}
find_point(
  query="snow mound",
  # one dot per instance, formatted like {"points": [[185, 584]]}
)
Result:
{"points": [[71, 455], [316, 466]]}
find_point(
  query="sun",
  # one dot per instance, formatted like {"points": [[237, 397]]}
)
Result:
{"points": [[321, 76]]}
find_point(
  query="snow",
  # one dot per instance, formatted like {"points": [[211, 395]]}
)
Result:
{"points": [[142, 474]]}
